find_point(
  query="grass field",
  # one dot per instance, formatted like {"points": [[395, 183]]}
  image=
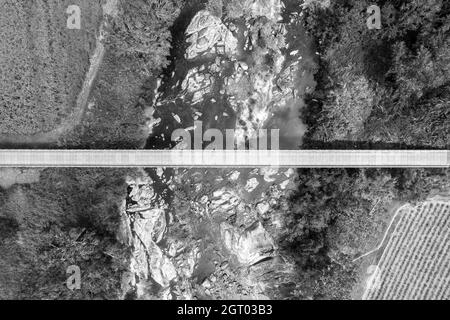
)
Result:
{"points": [[42, 63]]}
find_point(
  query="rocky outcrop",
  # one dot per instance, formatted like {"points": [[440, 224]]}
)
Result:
{"points": [[145, 227], [207, 34], [215, 239], [250, 246], [197, 84]]}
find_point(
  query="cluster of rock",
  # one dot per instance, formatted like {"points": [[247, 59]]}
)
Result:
{"points": [[271, 9], [145, 226], [198, 83], [217, 239], [242, 62]]}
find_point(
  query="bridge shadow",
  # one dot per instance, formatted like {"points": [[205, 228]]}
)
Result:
{"points": [[309, 144], [159, 143]]}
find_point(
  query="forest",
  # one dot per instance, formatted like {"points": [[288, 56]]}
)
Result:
{"points": [[386, 87], [337, 214], [70, 217]]}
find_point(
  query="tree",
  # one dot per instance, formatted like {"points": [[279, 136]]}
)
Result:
{"points": [[393, 76], [141, 32]]}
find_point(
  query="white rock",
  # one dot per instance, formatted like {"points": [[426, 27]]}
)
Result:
{"points": [[235, 175], [160, 172], [207, 33], [289, 173], [197, 83], [206, 284], [161, 268], [219, 193], [143, 195], [243, 65], [250, 246], [270, 9], [284, 184], [173, 250], [263, 208], [269, 174], [204, 200], [176, 117], [152, 227], [252, 184]]}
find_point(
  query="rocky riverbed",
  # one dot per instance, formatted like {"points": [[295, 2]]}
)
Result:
{"points": [[212, 234], [245, 72], [216, 238]]}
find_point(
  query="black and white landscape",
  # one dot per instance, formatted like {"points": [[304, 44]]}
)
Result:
{"points": [[314, 78], [200, 234], [329, 74]]}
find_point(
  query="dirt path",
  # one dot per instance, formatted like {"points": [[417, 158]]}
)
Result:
{"points": [[369, 259], [110, 8], [388, 230], [361, 289]]}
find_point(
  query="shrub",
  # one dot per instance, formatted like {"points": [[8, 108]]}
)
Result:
{"points": [[140, 33]]}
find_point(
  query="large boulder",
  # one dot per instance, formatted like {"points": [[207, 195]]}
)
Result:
{"points": [[161, 267], [144, 226], [250, 246], [197, 83], [207, 34]]}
